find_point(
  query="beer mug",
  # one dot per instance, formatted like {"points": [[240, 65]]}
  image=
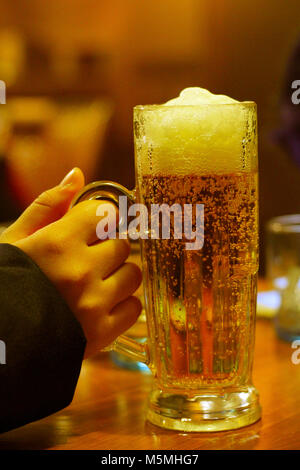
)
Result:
{"points": [[200, 296]]}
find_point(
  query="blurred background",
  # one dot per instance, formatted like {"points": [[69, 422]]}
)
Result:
{"points": [[74, 69]]}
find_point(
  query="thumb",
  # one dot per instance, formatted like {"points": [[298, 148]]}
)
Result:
{"points": [[50, 206]]}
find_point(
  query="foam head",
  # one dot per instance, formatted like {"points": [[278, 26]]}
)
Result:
{"points": [[197, 132]]}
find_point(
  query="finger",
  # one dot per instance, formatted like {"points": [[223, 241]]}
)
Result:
{"points": [[111, 254], [47, 208], [122, 283], [93, 220], [125, 314], [121, 318]]}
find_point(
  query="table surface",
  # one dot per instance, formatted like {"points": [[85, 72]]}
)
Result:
{"points": [[109, 407]]}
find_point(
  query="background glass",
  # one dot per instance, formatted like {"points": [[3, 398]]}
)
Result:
{"points": [[283, 268]]}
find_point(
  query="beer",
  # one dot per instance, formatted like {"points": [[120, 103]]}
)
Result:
{"points": [[201, 304], [201, 148]]}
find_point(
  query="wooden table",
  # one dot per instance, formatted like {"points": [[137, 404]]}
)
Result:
{"points": [[109, 405]]}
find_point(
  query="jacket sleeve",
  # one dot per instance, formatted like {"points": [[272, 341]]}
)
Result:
{"points": [[42, 343]]}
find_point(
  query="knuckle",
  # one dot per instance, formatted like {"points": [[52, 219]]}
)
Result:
{"points": [[78, 274], [122, 247], [89, 305], [86, 306], [56, 244], [46, 199], [136, 305], [84, 208], [125, 247], [134, 273], [74, 273]]}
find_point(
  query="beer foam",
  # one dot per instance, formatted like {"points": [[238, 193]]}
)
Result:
{"points": [[194, 96], [197, 132]]}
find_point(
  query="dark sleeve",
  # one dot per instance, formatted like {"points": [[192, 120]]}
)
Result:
{"points": [[44, 343]]}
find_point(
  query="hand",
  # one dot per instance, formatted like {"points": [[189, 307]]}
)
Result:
{"points": [[91, 276]]}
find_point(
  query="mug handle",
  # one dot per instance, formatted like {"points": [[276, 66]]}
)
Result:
{"points": [[110, 191]]}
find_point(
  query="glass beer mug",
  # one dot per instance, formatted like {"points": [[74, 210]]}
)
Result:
{"points": [[200, 303]]}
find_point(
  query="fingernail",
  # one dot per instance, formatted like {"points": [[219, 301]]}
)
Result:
{"points": [[68, 178]]}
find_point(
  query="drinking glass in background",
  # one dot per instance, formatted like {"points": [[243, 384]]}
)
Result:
{"points": [[283, 269]]}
